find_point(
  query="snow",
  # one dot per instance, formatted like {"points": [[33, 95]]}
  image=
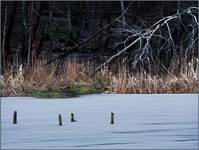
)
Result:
{"points": [[141, 121]]}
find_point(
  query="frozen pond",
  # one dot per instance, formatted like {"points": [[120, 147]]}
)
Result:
{"points": [[141, 121]]}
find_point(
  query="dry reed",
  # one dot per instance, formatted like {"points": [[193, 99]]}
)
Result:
{"points": [[73, 72]]}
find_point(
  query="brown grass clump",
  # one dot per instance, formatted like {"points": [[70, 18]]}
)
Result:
{"points": [[183, 82], [42, 77], [147, 84]]}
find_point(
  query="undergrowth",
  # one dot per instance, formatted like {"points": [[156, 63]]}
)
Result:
{"points": [[74, 79]]}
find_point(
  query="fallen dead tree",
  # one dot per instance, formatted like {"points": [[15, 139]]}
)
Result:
{"points": [[142, 40]]}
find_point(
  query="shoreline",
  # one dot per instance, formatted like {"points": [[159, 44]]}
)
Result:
{"points": [[139, 94]]}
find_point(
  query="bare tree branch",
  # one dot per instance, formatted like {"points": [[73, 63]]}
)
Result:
{"points": [[144, 37]]}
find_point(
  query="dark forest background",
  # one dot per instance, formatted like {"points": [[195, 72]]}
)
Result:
{"points": [[55, 31]]}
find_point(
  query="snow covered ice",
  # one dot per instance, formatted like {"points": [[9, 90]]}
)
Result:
{"points": [[141, 121]]}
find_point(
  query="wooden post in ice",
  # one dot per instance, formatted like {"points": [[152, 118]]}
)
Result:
{"points": [[72, 117], [60, 120], [112, 118], [15, 117]]}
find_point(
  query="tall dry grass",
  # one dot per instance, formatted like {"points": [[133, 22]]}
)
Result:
{"points": [[142, 83], [42, 77], [72, 72], [183, 81]]}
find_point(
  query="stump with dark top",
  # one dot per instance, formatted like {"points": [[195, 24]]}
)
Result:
{"points": [[72, 117], [112, 118], [60, 120], [15, 117]]}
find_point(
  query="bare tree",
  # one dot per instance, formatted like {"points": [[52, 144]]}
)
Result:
{"points": [[7, 30], [30, 14], [122, 11], [69, 18], [4, 36], [143, 39], [44, 33]]}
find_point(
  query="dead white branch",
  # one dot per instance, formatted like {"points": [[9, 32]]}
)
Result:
{"points": [[143, 37]]}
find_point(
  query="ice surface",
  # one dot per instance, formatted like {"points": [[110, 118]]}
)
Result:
{"points": [[141, 121]]}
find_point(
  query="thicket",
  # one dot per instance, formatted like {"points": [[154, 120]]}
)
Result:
{"points": [[92, 47]]}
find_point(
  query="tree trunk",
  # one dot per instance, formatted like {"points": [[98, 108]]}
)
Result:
{"points": [[36, 20], [4, 37], [122, 11], [24, 32], [30, 12], [100, 39], [44, 33], [8, 26], [69, 18]]}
